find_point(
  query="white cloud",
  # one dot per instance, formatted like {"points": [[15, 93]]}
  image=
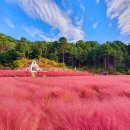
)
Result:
{"points": [[50, 13], [37, 33], [95, 25], [9, 23], [79, 21], [82, 6], [97, 1], [120, 10], [32, 31]]}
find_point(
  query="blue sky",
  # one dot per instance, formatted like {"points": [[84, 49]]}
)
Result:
{"points": [[98, 20]]}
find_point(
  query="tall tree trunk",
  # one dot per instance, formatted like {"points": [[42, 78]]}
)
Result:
{"points": [[63, 57], [105, 62], [75, 62], [79, 63], [72, 61], [94, 61], [28, 55]]}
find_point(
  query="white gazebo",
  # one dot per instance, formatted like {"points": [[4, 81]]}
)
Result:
{"points": [[34, 67]]}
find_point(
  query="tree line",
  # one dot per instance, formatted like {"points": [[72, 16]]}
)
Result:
{"points": [[82, 54]]}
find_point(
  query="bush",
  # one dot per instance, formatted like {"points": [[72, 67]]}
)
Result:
{"points": [[61, 65], [1, 66], [122, 69], [112, 70], [44, 60], [129, 71], [53, 63], [96, 70], [21, 63]]}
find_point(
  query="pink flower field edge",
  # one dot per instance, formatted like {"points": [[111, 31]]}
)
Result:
{"points": [[65, 103], [19, 73]]}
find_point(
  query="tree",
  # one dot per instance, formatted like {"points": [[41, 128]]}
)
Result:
{"points": [[7, 58], [107, 52], [42, 47], [79, 54], [35, 53], [63, 47], [23, 48]]}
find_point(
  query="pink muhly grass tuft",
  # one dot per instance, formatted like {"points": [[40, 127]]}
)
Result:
{"points": [[65, 103]]}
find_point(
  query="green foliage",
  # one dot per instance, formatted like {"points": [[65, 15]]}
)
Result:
{"points": [[8, 41], [90, 54], [44, 60], [7, 58], [97, 70], [53, 63], [128, 71], [21, 63], [63, 46], [62, 65], [1, 66], [122, 69]]}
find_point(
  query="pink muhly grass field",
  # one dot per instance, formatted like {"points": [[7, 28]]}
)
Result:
{"points": [[65, 103]]}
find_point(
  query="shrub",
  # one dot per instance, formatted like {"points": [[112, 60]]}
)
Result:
{"points": [[122, 69], [44, 60], [1, 66], [112, 70], [129, 71], [53, 63], [62, 65], [21, 63]]}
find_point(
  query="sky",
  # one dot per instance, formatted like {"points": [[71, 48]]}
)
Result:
{"points": [[97, 20]]}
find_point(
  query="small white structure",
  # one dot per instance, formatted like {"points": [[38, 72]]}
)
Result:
{"points": [[34, 67]]}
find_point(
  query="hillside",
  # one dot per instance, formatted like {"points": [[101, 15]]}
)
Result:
{"points": [[86, 55], [44, 63]]}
